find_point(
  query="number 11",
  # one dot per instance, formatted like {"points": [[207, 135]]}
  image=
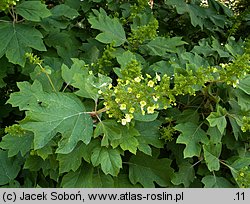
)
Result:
{"points": [[240, 196]]}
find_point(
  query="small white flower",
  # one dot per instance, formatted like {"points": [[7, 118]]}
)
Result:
{"points": [[150, 110], [158, 77], [128, 117], [137, 79], [150, 83], [124, 121], [123, 106], [223, 65], [156, 106], [143, 103], [215, 70], [236, 83], [132, 110], [130, 89], [142, 112], [155, 98], [117, 100]]}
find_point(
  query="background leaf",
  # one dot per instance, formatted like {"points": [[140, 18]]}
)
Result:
{"points": [[82, 178], [14, 45], [149, 135], [33, 10], [9, 168], [128, 140], [191, 136], [211, 155], [76, 68], [16, 144], [185, 175], [65, 160], [109, 129], [89, 85], [112, 29], [52, 113], [218, 119], [160, 45], [109, 159], [215, 182], [244, 85], [146, 170]]}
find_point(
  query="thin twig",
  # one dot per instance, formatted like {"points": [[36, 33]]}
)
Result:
{"points": [[13, 14], [66, 86], [197, 162], [5, 21], [50, 81]]}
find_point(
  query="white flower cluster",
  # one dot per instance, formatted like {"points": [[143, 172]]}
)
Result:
{"points": [[204, 3], [230, 3]]}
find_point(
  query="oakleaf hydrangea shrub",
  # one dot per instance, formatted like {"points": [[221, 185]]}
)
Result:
{"points": [[125, 93]]}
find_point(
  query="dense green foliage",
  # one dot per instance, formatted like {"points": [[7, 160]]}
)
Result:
{"points": [[106, 93]]}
